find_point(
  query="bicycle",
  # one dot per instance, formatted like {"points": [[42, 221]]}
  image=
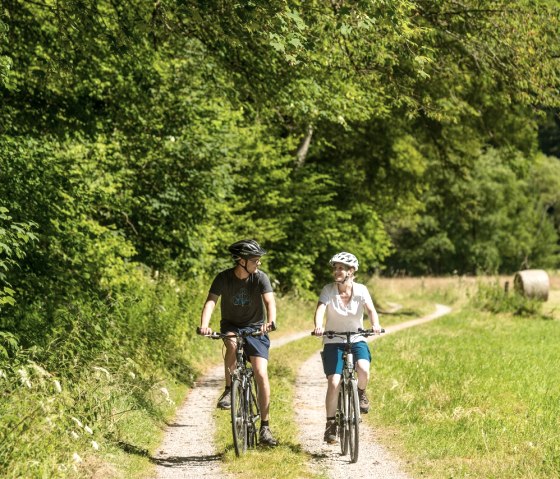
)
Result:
{"points": [[348, 416], [245, 410]]}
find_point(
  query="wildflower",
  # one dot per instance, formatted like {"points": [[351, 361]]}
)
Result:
{"points": [[95, 445], [74, 435], [103, 370], [40, 370], [57, 386], [76, 457], [88, 429], [77, 421], [165, 392], [2, 374], [131, 374], [24, 378]]}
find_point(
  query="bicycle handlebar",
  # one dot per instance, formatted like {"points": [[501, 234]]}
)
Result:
{"points": [[361, 332], [244, 334]]}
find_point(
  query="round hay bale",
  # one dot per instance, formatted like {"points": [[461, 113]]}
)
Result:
{"points": [[532, 283]]}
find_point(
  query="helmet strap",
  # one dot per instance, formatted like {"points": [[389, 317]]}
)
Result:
{"points": [[346, 278], [244, 266]]}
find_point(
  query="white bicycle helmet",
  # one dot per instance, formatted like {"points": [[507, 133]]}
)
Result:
{"points": [[345, 258]]}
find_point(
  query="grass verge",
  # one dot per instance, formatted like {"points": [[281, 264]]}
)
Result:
{"points": [[473, 394]]}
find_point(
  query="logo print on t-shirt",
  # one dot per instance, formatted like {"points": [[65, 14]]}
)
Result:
{"points": [[242, 298]]}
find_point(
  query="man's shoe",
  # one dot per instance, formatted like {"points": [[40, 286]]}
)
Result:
{"points": [[364, 402], [266, 438], [225, 399], [330, 432]]}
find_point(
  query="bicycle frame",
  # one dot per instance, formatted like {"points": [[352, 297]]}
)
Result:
{"points": [[244, 393], [348, 414]]}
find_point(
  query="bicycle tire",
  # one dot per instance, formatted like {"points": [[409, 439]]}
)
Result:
{"points": [[343, 418], [238, 419], [353, 421], [253, 412]]}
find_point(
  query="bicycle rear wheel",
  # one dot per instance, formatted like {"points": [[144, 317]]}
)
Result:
{"points": [[253, 412], [343, 419], [238, 421], [353, 421]]}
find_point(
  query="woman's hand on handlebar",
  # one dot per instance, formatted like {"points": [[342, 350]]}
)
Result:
{"points": [[318, 331]]}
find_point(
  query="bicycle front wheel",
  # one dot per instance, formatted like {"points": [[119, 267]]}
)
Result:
{"points": [[353, 420], [343, 418], [253, 412], [238, 421]]}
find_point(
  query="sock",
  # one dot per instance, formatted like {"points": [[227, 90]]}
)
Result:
{"points": [[264, 424], [331, 418]]}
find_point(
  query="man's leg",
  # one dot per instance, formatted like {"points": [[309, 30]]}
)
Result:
{"points": [[230, 360], [260, 368]]}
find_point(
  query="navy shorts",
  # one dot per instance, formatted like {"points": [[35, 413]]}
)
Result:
{"points": [[254, 345], [332, 356]]}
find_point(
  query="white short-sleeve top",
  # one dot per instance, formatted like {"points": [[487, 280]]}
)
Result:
{"points": [[341, 317]]}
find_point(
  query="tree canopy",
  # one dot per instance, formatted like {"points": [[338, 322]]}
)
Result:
{"points": [[140, 133]]}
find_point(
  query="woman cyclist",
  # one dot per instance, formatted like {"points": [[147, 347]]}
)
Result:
{"points": [[344, 302]]}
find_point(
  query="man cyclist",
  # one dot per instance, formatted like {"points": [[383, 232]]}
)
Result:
{"points": [[344, 302], [246, 292]]}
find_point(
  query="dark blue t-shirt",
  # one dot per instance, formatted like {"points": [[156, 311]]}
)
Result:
{"points": [[241, 303]]}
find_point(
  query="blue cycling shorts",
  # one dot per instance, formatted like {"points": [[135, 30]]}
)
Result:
{"points": [[332, 356], [254, 345]]}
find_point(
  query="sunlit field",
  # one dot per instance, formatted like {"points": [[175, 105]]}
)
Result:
{"points": [[472, 394]]}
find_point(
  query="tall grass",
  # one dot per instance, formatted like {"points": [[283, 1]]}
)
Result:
{"points": [[472, 395], [89, 389]]}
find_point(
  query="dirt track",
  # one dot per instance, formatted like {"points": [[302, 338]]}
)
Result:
{"points": [[187, 450]]}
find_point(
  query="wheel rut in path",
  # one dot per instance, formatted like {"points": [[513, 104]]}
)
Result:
{"points": [[188, 448], [374, 460]]}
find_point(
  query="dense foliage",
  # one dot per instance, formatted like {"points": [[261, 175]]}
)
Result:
{"points": [[158, 133], [138, 139]]}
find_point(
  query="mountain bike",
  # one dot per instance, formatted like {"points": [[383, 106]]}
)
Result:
{"points": [[348, 411], [245, 410]]}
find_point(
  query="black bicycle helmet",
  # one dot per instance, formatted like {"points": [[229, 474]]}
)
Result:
{"points": [[245, 249]]}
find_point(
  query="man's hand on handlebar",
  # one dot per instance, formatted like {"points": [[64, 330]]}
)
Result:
{"points": [[266, 327], [207, 331]]}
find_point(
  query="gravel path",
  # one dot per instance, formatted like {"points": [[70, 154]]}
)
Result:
{"points": [[188, 451]]}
